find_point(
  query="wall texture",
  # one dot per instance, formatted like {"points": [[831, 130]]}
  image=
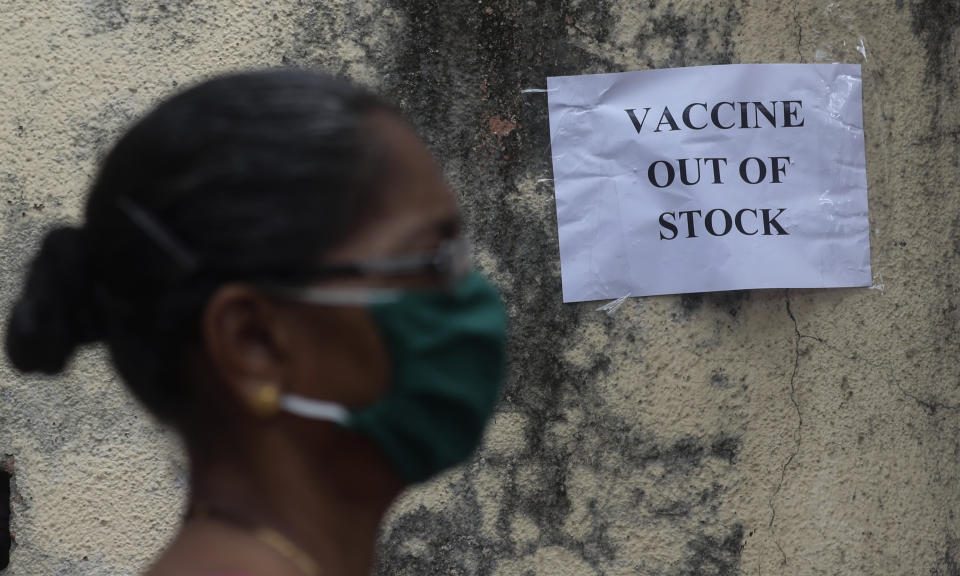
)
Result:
{"points": [[760, 432]]}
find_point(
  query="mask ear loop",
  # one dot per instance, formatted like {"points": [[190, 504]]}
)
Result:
{"points": [[314, 409], [339, 297]]}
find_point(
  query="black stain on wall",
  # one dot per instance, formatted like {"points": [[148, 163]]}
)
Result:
{"points": [[425, 542], [167, 18], [690, 303], [107, 15], [935, 23], [729, 302], [719, 378], [9, 496], [686, 37], [6, 539], [315, 28], [93, 137], [726, 447], [948, 564], [13, 192], [715, 555]]}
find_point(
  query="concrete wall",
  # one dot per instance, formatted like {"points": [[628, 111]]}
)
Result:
{"points": [[761, 432]]}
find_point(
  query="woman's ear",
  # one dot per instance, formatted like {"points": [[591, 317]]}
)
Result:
{"points": [[246, 343]]}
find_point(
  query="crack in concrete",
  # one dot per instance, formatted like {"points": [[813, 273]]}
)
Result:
{"points": [[796, 20], [798, 433], [931, 406]]}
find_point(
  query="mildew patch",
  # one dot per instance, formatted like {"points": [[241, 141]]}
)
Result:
{"points": [[427, 542], [352, 39], [729, 301], [715, 555], [719, 378], [935, 23], [10, 497], [726, 447], [13, 194], [659, 34], [948, 564], [690, 303], [693, 38], [166, 24], [106, 15], [93, 137]]}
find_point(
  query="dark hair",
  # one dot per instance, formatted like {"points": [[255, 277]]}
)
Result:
{"points": [[239, 177]]}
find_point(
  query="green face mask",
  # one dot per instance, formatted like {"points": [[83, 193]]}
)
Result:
{"points": [[448, 351]]}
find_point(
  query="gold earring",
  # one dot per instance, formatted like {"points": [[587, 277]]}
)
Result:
{"points": [[265, 401]]}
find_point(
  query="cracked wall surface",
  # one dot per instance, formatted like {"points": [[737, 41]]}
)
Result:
{"points": [[757, 432]]}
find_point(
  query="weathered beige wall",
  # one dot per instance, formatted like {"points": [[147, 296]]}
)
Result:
{"points": [[763, 432]]}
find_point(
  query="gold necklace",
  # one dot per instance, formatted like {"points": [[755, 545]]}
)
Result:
{"points": [[268, 536], [283, 546]]}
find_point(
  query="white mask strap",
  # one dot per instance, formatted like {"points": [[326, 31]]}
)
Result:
{"points": [[314, 409], [341, 296]]}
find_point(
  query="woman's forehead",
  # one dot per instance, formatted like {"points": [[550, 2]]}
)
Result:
{"points": [[414, 207], [412, 174]]}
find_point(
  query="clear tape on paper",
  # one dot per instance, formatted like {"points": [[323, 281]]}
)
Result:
{"points": [[862, 49], [611, 307], [823, 54]]}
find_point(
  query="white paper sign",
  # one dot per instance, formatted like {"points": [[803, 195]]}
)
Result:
{"points": [[710, 178]]}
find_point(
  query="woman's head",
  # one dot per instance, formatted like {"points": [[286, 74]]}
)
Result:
{"points": [[239, 176], [222, 193]]}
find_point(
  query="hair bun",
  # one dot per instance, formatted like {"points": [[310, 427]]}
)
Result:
{"points": [[56, 311]]}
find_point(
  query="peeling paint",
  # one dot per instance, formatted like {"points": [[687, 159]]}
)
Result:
{"points": [[500, 127]]}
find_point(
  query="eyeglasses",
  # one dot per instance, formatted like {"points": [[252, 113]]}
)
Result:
{"points": [[451, 262]]}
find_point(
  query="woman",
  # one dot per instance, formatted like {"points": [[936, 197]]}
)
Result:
{"points": [[275, 263]]}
